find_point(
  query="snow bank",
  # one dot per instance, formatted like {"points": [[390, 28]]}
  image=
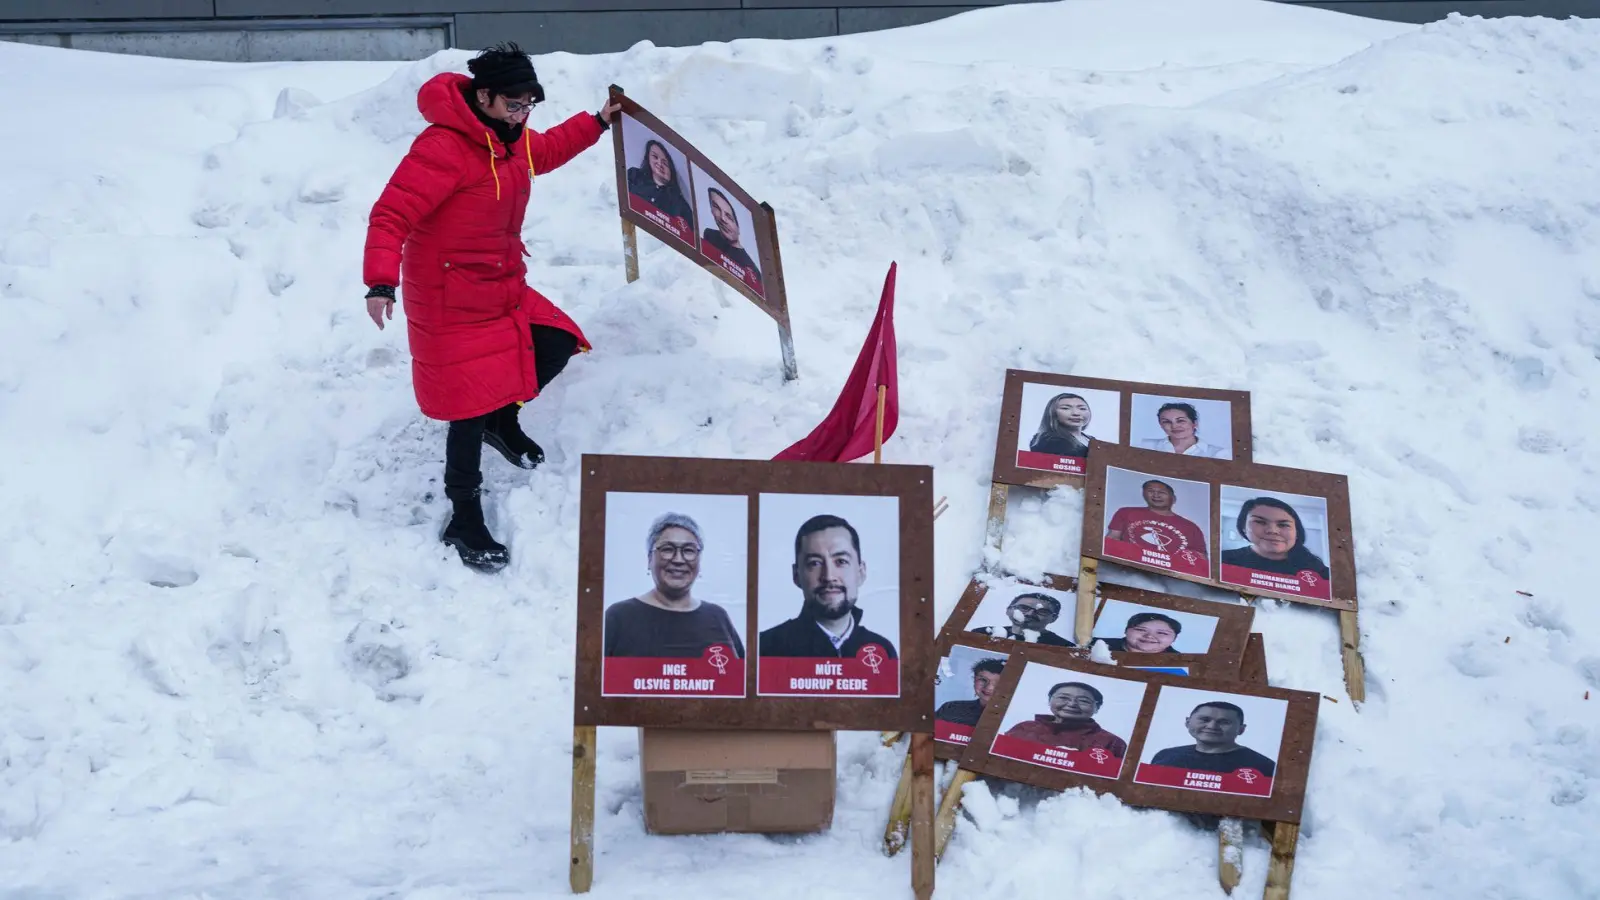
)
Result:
{"points": [[234, 660]]}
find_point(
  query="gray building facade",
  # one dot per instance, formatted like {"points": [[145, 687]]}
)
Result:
{"points": [[269, 30]]}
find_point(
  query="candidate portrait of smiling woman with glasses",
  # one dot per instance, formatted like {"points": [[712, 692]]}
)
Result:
{"points": [[668, 621], [483, 342]]}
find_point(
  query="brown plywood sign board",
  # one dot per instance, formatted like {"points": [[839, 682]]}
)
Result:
{"points": [[1184, 636], [754, 594], [1261, 530], [667, 187], [1200, 745], [1049, 423]]}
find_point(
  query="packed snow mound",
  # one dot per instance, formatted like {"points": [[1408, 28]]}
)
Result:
{"points": [[1134, 35], [234, 658]]}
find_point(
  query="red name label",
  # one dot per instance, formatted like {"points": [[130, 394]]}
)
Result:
{"points": [[1049, 462], [805, 676], [1098, 762], [678, 225], [1249, 782], [1306, 584], [718, 675], [1187, 562], [951, 733], [743, 273]]}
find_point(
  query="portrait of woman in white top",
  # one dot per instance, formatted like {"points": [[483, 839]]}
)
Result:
{"points": [[1181, 424]]}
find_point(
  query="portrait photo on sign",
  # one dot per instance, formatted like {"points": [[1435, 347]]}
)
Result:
{"points": [[1056, 424], [1070, 721], [1024, 612], [1275, 541], [727, 231], [1213, 741], [1133, 628], [676, 576], [1182, 425], [828, 595], [657, 175], [1158, 521], [963, 685]]}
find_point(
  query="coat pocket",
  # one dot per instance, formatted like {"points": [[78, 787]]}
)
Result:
{"points": [[474, 284]]}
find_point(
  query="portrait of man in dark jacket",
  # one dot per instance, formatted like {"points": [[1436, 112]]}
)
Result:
{"points": [[829, 571]]}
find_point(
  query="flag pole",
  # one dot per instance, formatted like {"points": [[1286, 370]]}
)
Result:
{"points": [[877, 434]]}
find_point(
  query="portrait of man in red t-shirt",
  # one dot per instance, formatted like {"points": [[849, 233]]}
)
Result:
{"points": [[1156, 534]]}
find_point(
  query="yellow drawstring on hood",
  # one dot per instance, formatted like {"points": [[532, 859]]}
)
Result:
{"points": [[527, 146], [489, 139]]}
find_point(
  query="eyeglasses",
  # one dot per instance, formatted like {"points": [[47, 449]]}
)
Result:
{"points": [[514, 107], [686, 552]]}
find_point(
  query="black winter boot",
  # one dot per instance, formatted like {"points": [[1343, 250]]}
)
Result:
{"points": [[504, 434], [469, 535]]}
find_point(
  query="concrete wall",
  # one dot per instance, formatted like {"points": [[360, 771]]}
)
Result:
{"points": [[260, 30]]}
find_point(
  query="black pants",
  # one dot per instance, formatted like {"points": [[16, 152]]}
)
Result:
{"points": [[463, 446]]}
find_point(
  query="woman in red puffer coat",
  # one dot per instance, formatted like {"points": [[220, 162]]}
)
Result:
{"points": [[482, 341]]}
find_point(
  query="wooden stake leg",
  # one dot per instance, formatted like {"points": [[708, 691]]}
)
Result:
{"points": [[1285, 837], [899, 827], [923, 854], [1088, 577], [791, 369], [1230, 853], [630, 250], [945, 824], [581, 873], [997, 513], [1355, 669]]}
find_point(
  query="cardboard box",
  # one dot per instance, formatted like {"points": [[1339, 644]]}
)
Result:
{"points": [[705, 782]]}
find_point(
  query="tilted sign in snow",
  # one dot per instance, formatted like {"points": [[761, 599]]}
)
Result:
{"points": [[679, 196], [754, 594], [1262, 530], [1143, 630], [1051, 424], [1188, 744]]}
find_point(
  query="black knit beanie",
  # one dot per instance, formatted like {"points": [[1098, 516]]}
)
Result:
{"points": [[505, 69]]}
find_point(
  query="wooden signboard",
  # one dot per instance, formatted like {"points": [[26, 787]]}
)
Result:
{"points": [[996, 614], [1232, 749], [1051, 425], [1264, 531], [971, 667], [735, 594], [680, 197], [1128, 619], [1213, 746]]}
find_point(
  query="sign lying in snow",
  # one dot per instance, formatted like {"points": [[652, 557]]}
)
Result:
{"points": [[1262, 530], [1202, 745], [1051, 424], [1143, 630]]}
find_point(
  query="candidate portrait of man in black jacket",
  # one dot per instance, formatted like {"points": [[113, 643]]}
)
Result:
{"points": [[829, 571]]}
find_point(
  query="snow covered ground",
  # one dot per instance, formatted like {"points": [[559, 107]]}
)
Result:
{"points": [[236, 663]]}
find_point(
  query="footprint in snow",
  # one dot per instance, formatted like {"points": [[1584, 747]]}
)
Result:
{"points": [[376, 655]]}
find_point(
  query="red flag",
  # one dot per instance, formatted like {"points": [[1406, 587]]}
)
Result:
{"points": [[848, 431]]}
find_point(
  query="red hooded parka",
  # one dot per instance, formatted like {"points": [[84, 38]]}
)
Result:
{"points": [[453, 211]]}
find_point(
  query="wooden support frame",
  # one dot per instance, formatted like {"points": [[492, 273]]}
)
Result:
{"points": [[1283, 836], [580, 872], [923, 840], [995, 531], [767, 291]]}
